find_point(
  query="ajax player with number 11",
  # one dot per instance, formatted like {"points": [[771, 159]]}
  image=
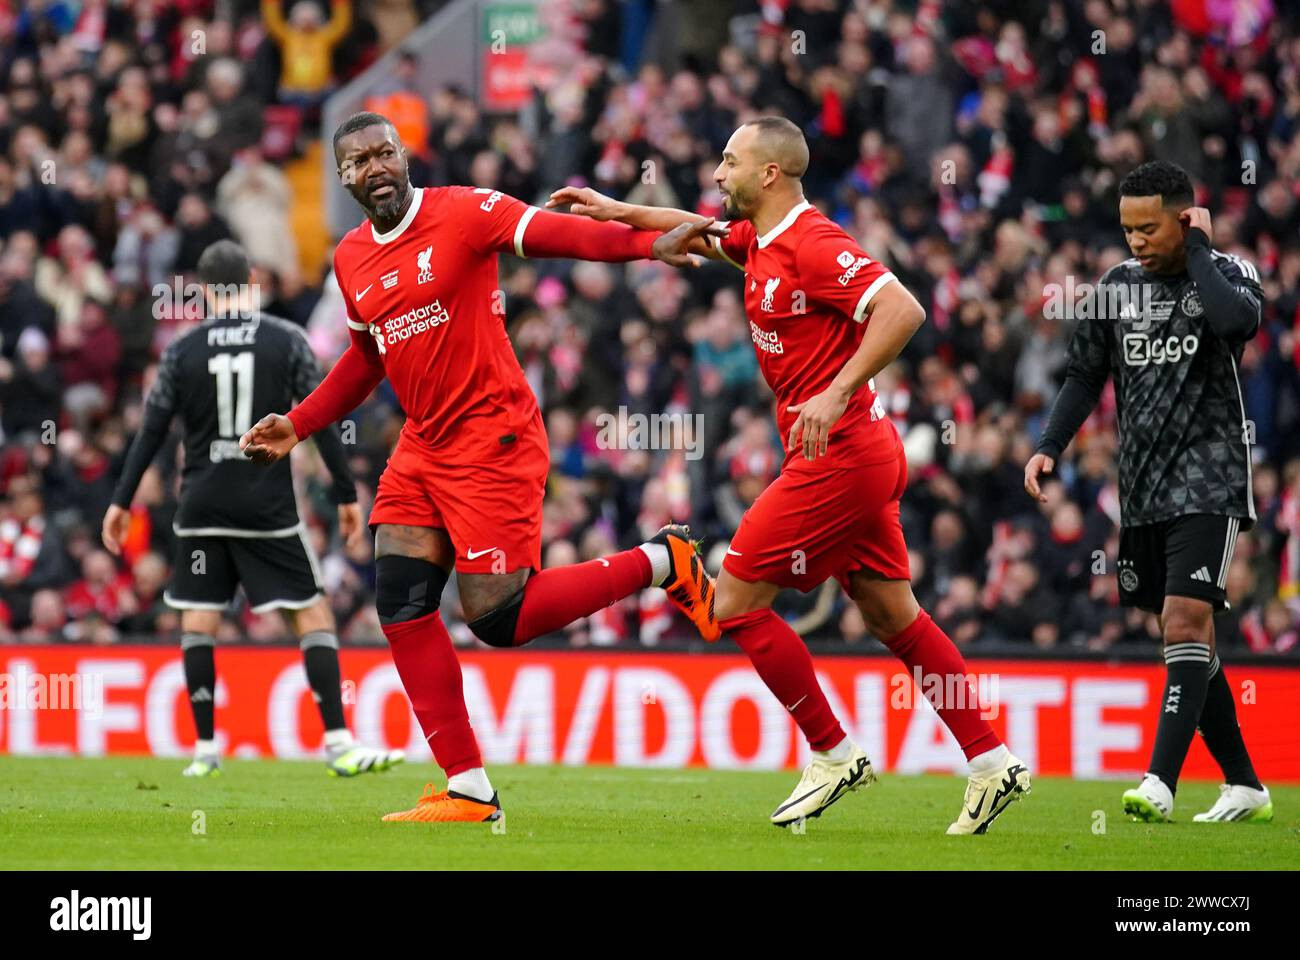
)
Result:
{"points": [[465, 484]]}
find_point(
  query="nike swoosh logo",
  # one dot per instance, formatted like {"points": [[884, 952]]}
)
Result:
{"points": [[797, 702], [975, 814], [844, 784], [473, 555], [603, 561], [363, 293], [801, 799], [733, 553]]}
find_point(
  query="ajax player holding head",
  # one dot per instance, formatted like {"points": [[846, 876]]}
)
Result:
{"points": [[238, 524], [466, 482], [825, 318], [1184, 463]]}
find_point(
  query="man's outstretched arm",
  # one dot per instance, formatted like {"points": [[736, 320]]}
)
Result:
{"points": [[493, 222], [594, 205], [542, 233]]}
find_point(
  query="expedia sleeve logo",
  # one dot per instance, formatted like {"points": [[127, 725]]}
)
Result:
{"points": [[851, 268]]}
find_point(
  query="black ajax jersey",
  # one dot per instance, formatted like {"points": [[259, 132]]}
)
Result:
{"points": [[220, 378], [1183, 433]]}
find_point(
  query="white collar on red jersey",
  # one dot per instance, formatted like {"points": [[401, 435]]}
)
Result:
{"points": [[398, 230], [781, 227]]}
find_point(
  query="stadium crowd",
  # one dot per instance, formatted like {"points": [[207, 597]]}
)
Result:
{"points": [[974, 148]]}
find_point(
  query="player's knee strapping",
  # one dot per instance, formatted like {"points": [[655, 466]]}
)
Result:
{"points": [[496, 628], [407, 588]]}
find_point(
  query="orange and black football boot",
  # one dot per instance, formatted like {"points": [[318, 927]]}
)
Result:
{"points": [[688, 584], [446, 806]]}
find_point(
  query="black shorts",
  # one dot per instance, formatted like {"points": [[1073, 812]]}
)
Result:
{"points": [[1187, 556], [278, 572]]}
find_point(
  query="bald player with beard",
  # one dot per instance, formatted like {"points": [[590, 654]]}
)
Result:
{"points": [[825, 318]]}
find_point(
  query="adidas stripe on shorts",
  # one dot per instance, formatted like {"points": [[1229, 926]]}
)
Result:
{"points": [[1186, 556]]}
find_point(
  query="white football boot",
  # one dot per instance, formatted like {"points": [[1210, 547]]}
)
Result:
{"points": [[823, 782], [354, 759], [990, 793], [1150, 801], [1238, 804], [203, 765]]}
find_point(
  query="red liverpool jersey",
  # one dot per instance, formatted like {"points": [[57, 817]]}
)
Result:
{"points": [[427, 293], [807, 285]]}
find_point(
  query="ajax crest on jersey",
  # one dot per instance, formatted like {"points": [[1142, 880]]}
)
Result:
{"points": [[1191, 303], [1128, 579]]}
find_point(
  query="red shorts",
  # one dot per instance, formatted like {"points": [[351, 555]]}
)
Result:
{"points": [[815, 522], [489, 504]]}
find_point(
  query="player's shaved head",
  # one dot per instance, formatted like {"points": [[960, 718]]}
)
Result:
{"points": [[778, 140], [761, 165]]}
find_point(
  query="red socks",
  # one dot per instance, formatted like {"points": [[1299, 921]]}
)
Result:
{"points": [[786, 666], [925, 646], [430, 672], [556, 597]]}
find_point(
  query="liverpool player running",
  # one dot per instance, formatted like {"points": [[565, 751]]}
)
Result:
{"points": [[1173, 345], [465, 484], [238, 524], [825, 318]]}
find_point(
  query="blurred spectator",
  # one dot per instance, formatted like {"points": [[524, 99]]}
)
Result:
{"points": [[307, 43], [254, 198], [101, 589], [30, 396]]}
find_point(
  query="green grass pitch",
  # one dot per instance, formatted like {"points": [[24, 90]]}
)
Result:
{"points": [[129, 813]]}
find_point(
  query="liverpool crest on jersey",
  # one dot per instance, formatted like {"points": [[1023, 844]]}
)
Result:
{"points": [[769, 291]]}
